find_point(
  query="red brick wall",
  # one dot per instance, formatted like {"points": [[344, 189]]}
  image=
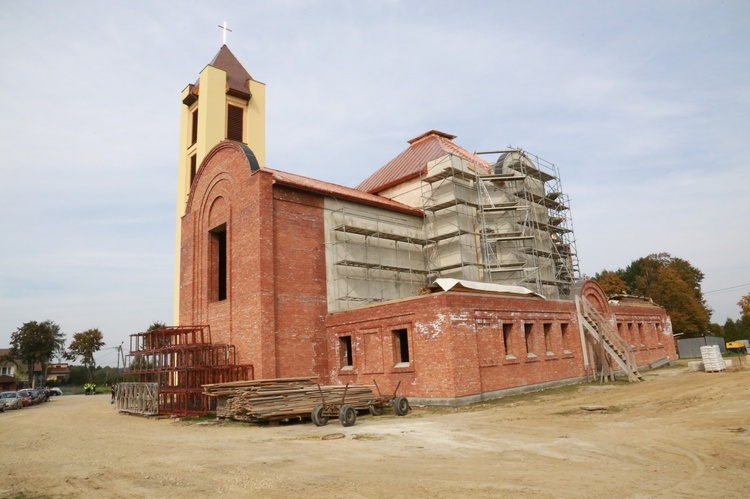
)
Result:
{"points": [[300, 283], [276, 299], [458, 346], [225, 192]]}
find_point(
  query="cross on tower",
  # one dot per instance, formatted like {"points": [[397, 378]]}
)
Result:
{"points": [[224, 33]]}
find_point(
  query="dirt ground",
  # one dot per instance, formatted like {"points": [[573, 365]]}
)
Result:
{"points": [[677, 434]]}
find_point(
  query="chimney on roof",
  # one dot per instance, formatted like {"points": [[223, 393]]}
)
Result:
{"points": [[432, 132]]}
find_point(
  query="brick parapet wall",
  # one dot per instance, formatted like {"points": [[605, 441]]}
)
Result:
{"points": [[458, 348]]}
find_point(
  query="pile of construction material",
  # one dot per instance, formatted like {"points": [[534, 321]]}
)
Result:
{"points": [[282, 399], [712, 359]]}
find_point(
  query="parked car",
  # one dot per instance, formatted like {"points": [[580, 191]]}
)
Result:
{"points": [[40, 394], [26, 397], [12, 400], [55, 391]]}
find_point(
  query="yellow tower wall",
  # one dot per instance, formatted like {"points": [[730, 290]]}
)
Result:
{"points": [[212, 123]]}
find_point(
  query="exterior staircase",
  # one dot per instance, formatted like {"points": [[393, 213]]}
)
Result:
{"points": [[605, 334]]}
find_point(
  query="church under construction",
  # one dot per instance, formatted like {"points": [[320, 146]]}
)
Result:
{"points": [[452, 274]]}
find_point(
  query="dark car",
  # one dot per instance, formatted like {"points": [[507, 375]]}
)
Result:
{"points": [[40, 394], [12, 400]]}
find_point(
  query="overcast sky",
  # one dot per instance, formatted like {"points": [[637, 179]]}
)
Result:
{"points": [[643, 106]]}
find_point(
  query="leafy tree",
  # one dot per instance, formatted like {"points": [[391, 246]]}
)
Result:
{"points": [[744, 304], [78, 375], [85, 344], [155, 325], [611, 283], [731, 331], [715, 330], [35, 342], [674, 284]]}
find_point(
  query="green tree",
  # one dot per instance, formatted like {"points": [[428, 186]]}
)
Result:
{"points": [[78, 375], [84, 345], [155, 325], [674, 284], [715, 329], [731, 331], [35, 342]]}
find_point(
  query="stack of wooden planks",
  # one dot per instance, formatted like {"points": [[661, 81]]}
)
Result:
{"points": [[283, 398]]}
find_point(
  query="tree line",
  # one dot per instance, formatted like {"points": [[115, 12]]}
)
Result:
{"points": [[39, 342], [675, 284]]}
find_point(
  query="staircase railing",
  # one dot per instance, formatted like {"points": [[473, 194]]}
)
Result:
{"points": [[602, 330]]}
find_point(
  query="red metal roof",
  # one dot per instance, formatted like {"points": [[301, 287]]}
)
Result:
{"points": [[339, 191], [413, 161]]}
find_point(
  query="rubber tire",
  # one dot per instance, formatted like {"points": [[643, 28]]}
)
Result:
{"points": [[375, 410], [401, 406], [317, 416], [348, 415]]}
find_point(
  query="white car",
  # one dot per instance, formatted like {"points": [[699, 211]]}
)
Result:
{"points": [[55, 391], [12, 400]]}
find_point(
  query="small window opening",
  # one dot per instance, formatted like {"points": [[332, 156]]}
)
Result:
{"points": [[547, 338], [194, 128], [218, 263], [565, 337], [193, 168], [507, 340], [641, 336], [401, 347], [234, 123], [345, 351], [528, 329]]}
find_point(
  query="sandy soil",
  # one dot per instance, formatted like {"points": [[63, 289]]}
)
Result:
{"points": [[677, 434]]}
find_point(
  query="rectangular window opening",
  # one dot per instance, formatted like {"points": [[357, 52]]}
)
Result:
{"points": [[547, 338], [401, 347], [345, 351], [218, 263], [641, 336], [528, 329], [234, 123], [507, 340], [193, 168], [194, 128], [565, 337]]}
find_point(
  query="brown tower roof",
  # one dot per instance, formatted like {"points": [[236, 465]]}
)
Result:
{"points": [[413, 161], [237, 75]]}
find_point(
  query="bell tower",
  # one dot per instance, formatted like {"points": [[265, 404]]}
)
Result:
{"points": [[226, 103]]}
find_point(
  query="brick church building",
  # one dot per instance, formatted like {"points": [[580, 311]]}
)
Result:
{"points": [[448, 273]]}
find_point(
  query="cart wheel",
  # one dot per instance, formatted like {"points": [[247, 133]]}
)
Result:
{"points": [[375, 410], [347, 415], [401, 406], [317, 416]]}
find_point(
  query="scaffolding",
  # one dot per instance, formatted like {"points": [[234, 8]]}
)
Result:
{"points": [[505, 221], [377, 256], [179, 360], [449, 201], [525, 228]]}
